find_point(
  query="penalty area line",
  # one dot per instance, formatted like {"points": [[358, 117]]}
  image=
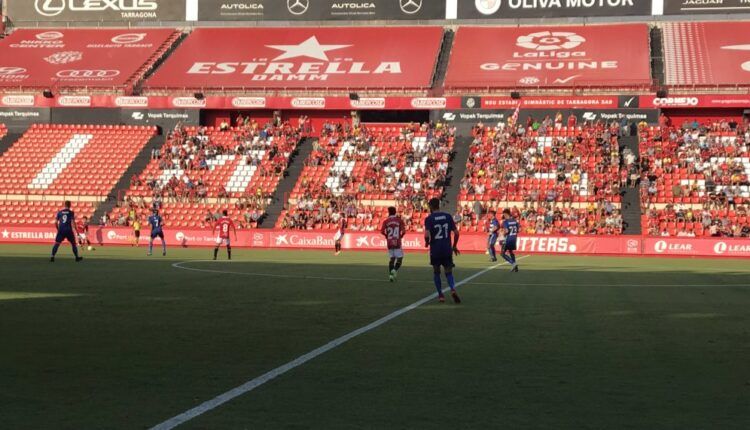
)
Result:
{"points": [[268, 376]]}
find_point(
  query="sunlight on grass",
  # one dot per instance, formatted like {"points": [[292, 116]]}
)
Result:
{"points": [[17, 295]]}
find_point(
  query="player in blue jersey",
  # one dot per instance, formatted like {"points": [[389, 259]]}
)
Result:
{"points": [[66, 230], [157, 224], [494, 232], [511, 227], [438, 229]]}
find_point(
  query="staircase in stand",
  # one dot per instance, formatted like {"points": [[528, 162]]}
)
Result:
{"points": [[286, 185]]}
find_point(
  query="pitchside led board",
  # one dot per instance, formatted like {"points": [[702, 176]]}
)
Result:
{"points": [[95, 10], [319, 10], [515, 9]]}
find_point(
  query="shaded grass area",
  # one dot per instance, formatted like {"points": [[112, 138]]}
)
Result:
{"points": [[125, 341]]}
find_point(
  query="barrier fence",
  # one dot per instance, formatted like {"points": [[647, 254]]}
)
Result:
{"points": [[373, 241]]}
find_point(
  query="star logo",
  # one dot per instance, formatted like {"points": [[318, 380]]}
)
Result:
{"points": [[6, 234], [737, 47], [362, 242], [309, 48], [282, 240], [746, 65]]}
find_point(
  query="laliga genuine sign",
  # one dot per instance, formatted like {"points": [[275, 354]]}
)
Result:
{"points": [[602, 55], [550, 50]]}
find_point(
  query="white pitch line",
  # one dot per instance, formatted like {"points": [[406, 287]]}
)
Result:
{"points": [[515, 284], [266, 377]]}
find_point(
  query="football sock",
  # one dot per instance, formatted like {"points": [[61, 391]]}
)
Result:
{"points": [[216, 252], [150, 247], [75, 249], [391, 264], [55, 248], [451, 281], [493, 254], [229, 252], [507, 258], [399, 261], [438, 283], [513, 258], [163, 246]]}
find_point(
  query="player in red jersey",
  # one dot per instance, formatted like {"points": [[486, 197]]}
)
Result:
{"points": [[394, 229], [224, 224], [83, 234], [340, 232]]}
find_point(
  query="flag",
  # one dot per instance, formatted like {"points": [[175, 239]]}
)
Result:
{"points": [[514, 119]]}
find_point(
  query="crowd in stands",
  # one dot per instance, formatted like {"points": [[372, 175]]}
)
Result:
{"points": [[181, 171], [694, 179], [596, 218], [407, 165], [567, 178]]}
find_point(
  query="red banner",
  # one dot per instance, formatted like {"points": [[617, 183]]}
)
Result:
{"points": [[300, 58], [707, 53], [518, 57], [568, 102], [715, 247], [232, 103], [76, 58], [696, 101], [365, 241], [373, 241]]}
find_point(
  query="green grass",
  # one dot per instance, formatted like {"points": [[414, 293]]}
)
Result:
{"points": [[122, 341]]}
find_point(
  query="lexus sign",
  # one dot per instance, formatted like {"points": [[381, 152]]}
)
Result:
{"points": [[115, 11]]}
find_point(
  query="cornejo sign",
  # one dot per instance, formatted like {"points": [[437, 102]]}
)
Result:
{"points": [[504, 9], [96, 10]]}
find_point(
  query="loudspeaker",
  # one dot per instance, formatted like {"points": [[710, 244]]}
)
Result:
{"points": [[515, 95], [661, 93], [48, 94], [199, 96], [353, 97]]}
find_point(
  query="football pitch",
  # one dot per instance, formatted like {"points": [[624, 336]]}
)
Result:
{"points": [[125, 341]]}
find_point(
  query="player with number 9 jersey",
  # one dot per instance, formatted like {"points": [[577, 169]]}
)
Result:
{"points": [[65, 221]]}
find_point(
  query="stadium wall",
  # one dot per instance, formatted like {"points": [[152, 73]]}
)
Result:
{"points": [[414, 242]]}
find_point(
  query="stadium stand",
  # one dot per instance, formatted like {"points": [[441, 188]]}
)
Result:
{"points": [[37, 212], [3, 130], [82, 61], [206, 169], [566, 179], [359, 172], [701, 55], [70, 160], [695, 179]]}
